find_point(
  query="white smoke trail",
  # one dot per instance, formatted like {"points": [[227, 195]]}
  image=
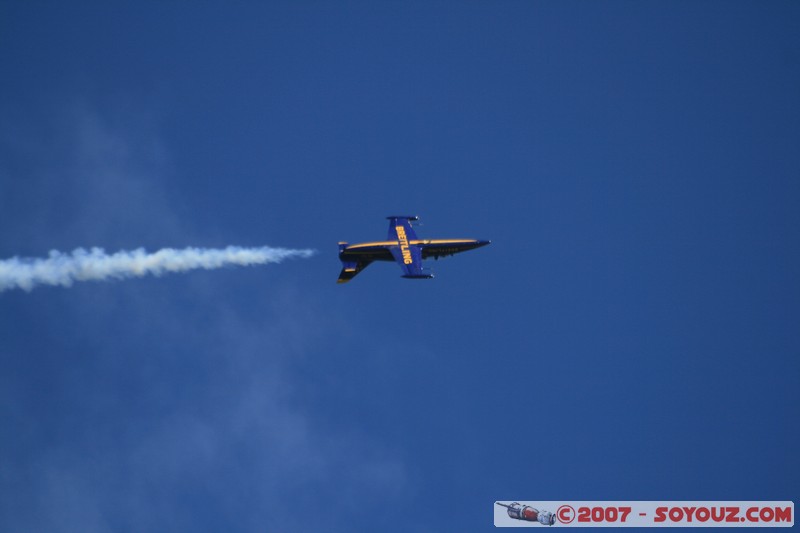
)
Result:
{"points": [[95, 264]]}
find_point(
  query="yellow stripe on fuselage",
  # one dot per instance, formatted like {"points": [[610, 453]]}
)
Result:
{"points": [[419, 241]]}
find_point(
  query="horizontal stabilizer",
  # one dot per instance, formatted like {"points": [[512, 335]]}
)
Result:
{"points": [[350, 269]]}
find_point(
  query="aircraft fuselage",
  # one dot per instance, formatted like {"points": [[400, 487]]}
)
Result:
{"points": [[435, 248]]}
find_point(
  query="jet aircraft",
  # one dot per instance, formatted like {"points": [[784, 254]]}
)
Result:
{"points": [[402, 246]]}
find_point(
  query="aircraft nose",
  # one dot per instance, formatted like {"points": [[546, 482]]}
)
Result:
{"points": [[484, 243]]}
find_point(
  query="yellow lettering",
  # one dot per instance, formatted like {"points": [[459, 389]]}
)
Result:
{"points": [[401, 237]]}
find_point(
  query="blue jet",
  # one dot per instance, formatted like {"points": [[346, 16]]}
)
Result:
{"points": [[402, 246]]}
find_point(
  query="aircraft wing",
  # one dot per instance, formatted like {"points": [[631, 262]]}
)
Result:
{"points": [[400, 227], [409, 257]]}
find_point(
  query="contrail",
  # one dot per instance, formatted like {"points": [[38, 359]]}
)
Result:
{"points": [[82, 265]]}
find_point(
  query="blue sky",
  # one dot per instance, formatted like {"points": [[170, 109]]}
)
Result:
{"points": [[631, 333]]}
